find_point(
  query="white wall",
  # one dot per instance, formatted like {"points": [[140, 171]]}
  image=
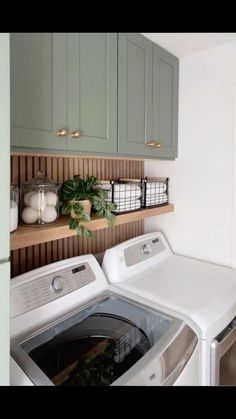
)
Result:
{"points": [[203, 178], [4, 207]]}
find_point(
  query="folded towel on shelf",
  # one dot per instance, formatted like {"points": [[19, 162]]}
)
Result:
{"points": [[123, 191], [125, 195], [124, 205], [156, 200], [155, 187]]}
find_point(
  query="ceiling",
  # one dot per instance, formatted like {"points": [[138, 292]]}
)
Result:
{"points": [[181, 44]]}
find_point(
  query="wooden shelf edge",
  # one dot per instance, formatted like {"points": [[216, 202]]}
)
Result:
{"points": [[30, 236]]}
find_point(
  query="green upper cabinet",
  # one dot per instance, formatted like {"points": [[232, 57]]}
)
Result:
{"points": [[92, 92], [134, 94], [147, 98], [38, 90], [165, 103], [64, 91]]}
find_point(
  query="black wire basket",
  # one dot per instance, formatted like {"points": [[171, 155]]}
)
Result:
{"points": [[125, 193], [155, 191]]}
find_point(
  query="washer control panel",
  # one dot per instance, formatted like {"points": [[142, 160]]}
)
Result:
{"points": [[144, 250], [47, 288]]}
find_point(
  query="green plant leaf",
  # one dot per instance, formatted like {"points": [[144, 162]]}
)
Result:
{"points": [[100, 193], [110, 218], [91, 181], [68, 187], [84, 232], [73, 224], [77, 208], [85, 217], [100, 213], [79, 230], [95, 200], [88, 233], [111, 206], [66, 209], [98, 207]]}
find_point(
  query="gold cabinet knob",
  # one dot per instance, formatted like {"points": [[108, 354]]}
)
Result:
{"points": [[157, 145], [151, 143], [62, 132], [75, 134]]}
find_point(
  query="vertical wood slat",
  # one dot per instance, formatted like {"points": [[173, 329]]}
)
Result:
{"points": [[29, 258], [58, 169]]}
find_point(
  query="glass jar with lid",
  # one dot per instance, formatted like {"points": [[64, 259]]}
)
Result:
{"points": [[39, 201]]}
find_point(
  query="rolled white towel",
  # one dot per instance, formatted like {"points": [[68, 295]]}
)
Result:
{"points": [[125, 186], [160, 198], [156, 200], [155, 187], [121, 191], [128, 206], [155, 191], [126, 195]]}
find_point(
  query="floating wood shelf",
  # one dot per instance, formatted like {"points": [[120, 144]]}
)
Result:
{"points": [[30, 236]]}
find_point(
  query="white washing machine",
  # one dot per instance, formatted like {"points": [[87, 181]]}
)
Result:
{"points": [[70, 327], [203, 294]]}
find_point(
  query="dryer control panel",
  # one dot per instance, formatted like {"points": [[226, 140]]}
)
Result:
{"points": [[144, 250], [135, 256], [42, 290]]}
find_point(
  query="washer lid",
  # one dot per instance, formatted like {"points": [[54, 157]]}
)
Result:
{"points": [[204, 292], [99, 344]]}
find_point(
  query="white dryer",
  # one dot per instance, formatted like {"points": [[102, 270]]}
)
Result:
{"points": [[204, 294], [70, 327]]}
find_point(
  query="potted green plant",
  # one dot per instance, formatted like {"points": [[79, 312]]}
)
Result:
{"points": [[78, 196]]}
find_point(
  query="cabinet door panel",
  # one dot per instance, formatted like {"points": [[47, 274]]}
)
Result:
{"points": [[134, 94], [5, 146], [38, 89], [4, 323], [92, 91], [165, 102]]}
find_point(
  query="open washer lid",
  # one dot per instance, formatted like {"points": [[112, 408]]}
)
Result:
{"points": [[100, 343]]}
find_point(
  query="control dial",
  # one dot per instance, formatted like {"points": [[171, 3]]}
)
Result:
{"points": [[146, 249], [57, 284]]}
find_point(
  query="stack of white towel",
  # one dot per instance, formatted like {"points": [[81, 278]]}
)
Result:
{"points": [[126, 196], [155, 193]]}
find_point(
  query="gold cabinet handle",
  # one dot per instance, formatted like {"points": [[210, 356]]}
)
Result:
{"points": [[75, 134], [151, 143], [62, 132]]}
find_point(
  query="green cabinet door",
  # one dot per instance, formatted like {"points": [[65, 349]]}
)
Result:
{"points": [[92, 92], [165, 103], [5, 147], [80, 82], [134, 94], [38, 90]]}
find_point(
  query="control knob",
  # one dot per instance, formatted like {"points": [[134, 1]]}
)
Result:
{"points": [[57, 284], [146, 249]]}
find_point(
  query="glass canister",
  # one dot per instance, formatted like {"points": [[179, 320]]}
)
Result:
{"points": [[14, 205], [39, 201]]}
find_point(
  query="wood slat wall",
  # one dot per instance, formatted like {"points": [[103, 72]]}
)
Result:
{"points": [[60, 168]]}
